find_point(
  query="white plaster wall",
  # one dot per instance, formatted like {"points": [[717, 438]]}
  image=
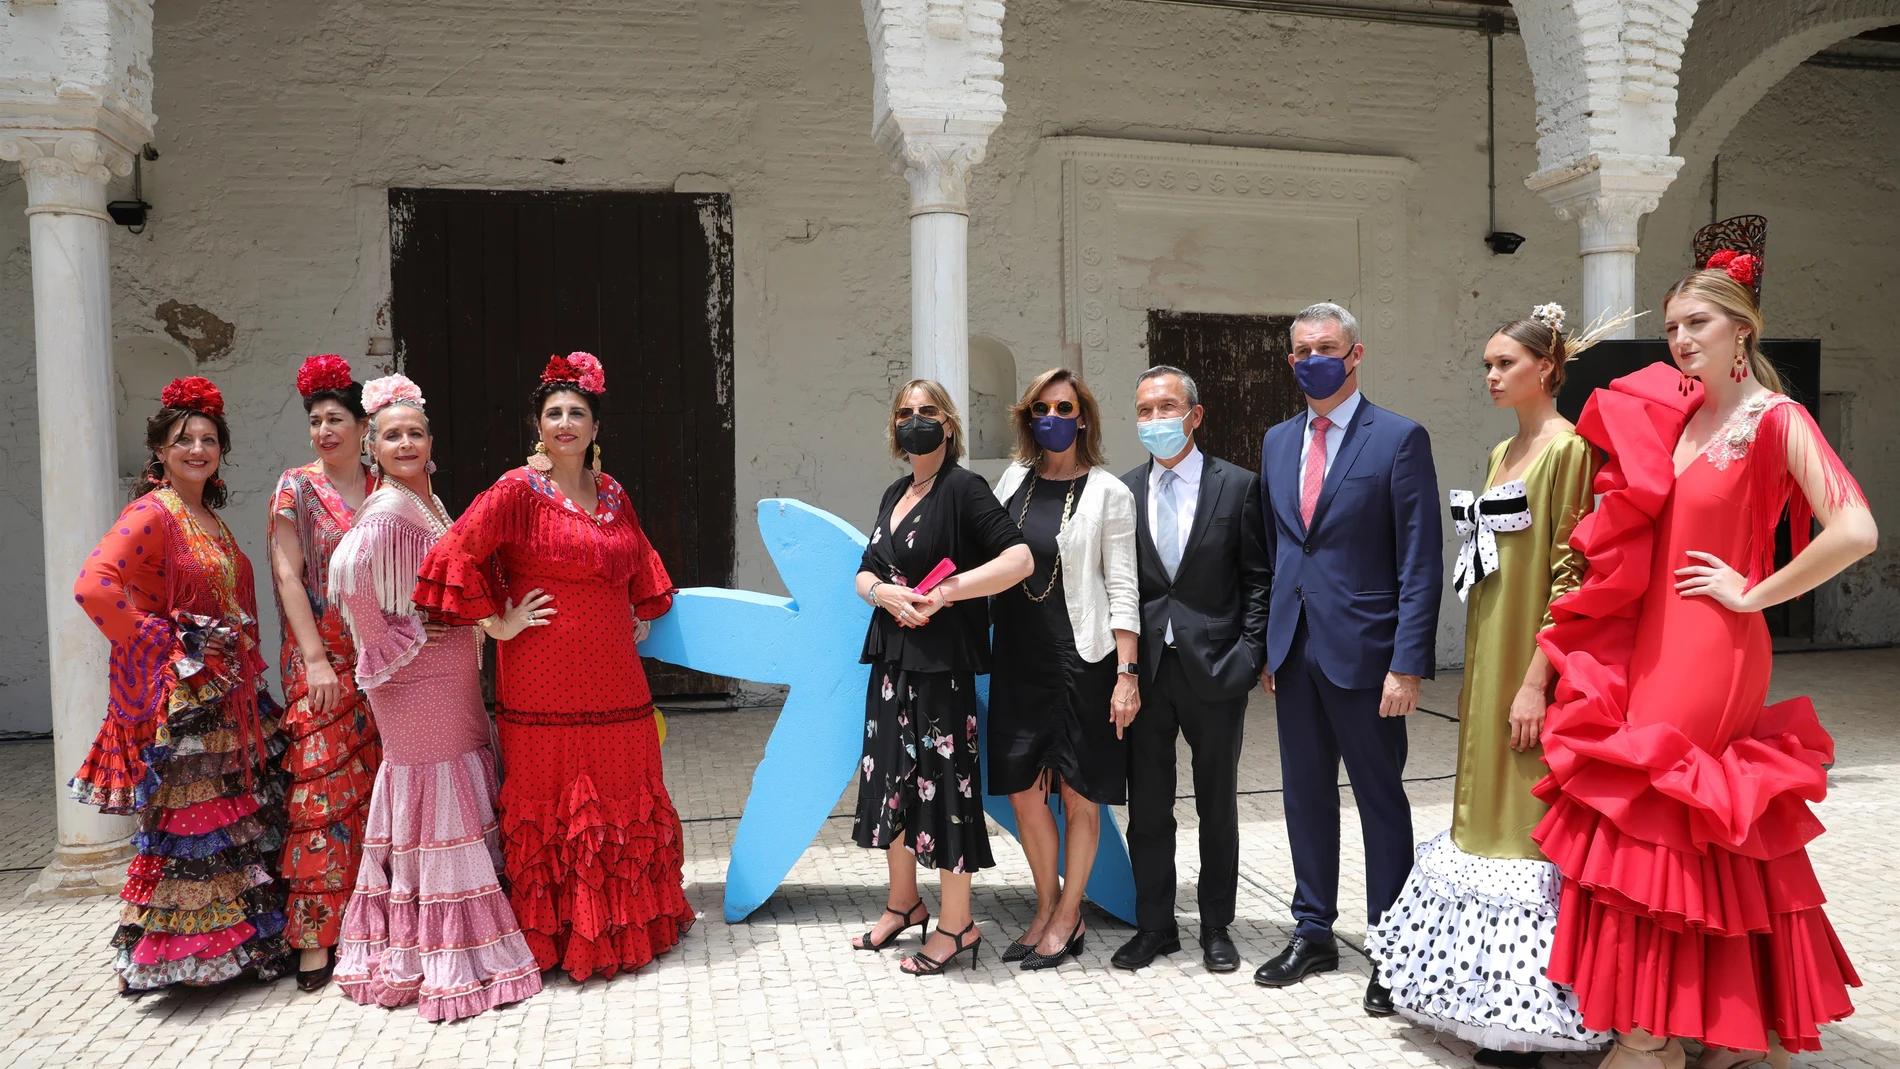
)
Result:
{"points": [[285, 123], [1818, 156]]}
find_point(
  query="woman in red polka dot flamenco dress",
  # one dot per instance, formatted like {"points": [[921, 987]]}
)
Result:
{"points": [[1679, 803], [190, 736], [590, 836]]}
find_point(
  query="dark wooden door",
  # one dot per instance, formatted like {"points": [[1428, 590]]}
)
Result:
{"points": [[487, 284], [1239, 363]]}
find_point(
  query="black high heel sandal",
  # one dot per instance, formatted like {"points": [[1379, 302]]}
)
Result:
{"points": [[1036, 960], [315, 979], [929, 966], [865, 943]]}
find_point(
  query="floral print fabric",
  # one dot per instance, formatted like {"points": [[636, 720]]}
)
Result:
{"points": [[333, 755], [920, 779]]}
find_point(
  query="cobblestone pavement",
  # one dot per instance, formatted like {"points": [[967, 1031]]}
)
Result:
{"points": [[785, 988]]}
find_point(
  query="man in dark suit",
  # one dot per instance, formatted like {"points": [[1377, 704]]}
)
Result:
{"points": [[1353, 528], [1201, 551]]}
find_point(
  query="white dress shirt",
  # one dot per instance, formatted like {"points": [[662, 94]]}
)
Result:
{"points": [[1187, 495], [1341, 417]]}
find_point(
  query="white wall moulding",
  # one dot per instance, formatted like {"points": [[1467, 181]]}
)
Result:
{"points": [[1198, 228]]}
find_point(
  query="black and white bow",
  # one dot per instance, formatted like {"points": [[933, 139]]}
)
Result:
{"points": [[1505, 507]]}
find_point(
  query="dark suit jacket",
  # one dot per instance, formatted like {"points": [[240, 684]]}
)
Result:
{"points": [[1369, 573], [1218, 598]]}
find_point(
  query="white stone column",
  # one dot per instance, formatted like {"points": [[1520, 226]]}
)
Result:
{"points": [[1607, 197], [938, 169], [66, 176], [937, 94]]}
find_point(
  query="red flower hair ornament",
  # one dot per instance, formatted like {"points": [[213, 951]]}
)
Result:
{"points": [[582, 369], [326, 372], [1743, 267], [194, 393]]}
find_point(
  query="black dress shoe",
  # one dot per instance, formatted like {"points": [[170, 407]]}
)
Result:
{"points": [[1510, 1059], [1378, 1001], [1144, 948], [1301, 956], [1218, 952]]}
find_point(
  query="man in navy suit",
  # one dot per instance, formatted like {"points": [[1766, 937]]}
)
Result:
{"points": [[1352, 526]]}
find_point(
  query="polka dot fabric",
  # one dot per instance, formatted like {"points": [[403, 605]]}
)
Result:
{"points": [[1465, 948], [591, 838]]}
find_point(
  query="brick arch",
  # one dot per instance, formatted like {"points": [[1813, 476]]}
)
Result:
{"points": [[1604, 73], [1741, 49]]}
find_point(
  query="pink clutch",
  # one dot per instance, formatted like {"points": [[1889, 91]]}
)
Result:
{"points": [[937, 575]]}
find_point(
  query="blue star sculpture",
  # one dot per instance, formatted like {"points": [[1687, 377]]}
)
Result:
{"points": [[811, 641]]}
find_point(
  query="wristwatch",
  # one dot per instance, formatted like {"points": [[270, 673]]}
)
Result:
{"points": [[1127, 669]]}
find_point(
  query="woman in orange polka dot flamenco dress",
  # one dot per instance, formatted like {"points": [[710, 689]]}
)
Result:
{"points": [[590, 836], [190, 736]]}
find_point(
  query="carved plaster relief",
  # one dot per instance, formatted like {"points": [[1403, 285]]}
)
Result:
{"points": [[1198, 228]]}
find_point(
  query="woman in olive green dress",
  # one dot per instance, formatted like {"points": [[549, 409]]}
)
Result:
{"points": [[1463, 949]]}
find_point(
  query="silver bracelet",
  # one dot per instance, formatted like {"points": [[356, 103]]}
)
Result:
{"points": [[871, 594]]}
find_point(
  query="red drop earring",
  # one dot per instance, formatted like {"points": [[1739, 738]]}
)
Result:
{"points": [[1740, 370]]}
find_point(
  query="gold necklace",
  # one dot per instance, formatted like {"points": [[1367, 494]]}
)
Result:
{"points": [[1068, 506]]}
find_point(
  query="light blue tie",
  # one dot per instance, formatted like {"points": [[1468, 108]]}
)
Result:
{"points": [[1168, 523]]}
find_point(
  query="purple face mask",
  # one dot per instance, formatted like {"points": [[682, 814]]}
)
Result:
{"points": [[1053, 432]]}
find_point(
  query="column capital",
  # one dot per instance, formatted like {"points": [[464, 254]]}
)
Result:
{"points": [[66, 171], [1606, 196], [937, 166]]}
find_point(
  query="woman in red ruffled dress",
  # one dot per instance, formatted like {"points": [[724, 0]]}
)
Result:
{"points": [[190, 730], [592, 842], [1679, 804], [333, 749]]}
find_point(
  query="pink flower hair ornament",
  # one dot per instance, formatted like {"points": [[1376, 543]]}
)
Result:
{"points": [[379, 394], [582, 369]]}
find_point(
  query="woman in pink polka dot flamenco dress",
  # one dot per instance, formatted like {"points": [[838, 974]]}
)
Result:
{"points": [[594, 854], [190, 737], [428, 922]]}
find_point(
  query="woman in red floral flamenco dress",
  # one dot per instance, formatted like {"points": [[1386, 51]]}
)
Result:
{"points": [[591, 840], [333, 749], [190, 730], [1679, 804]]}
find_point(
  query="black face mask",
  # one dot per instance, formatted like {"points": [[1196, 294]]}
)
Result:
{"points": [[918, 435]]}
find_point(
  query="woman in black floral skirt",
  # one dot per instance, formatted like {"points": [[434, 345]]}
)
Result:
{"points": [[920, 786]]}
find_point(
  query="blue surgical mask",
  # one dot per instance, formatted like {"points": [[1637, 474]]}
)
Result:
{"points": [[1165, 438], [1320, 376], [1053, 432]]}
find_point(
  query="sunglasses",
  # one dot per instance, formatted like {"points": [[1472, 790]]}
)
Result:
{"points": [[926, 411], [1065, 409]]}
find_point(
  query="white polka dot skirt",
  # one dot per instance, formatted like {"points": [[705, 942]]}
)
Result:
{"points": [[1464, 951]]}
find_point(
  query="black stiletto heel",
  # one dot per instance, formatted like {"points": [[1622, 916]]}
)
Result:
{"points": [[929, 966], [865, 943], [1036, 960]]}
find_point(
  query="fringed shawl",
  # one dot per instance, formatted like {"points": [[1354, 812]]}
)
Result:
{"points": [[382, 553]]}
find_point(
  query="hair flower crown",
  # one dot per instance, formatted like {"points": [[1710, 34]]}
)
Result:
{"points": [[194, 393], [326, 372], [1743, 267], [582, 369], [1550, 315], [379, 394]]}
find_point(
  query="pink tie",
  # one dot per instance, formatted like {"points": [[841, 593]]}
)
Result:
{"points": [[1315, 476]]}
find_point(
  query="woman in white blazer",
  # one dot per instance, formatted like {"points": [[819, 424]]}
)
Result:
{"points": [[1063, 685]]}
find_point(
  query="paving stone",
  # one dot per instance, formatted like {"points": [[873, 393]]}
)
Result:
{"points": [[787, 989]]}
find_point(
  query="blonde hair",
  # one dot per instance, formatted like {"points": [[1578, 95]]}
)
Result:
{"points": [[1088, 441], [1738, 303], [952, 424]]}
